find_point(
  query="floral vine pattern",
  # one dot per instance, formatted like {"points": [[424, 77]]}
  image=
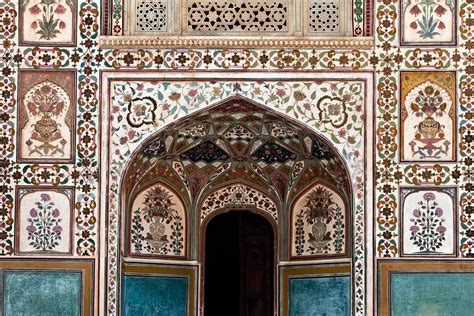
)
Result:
{"points": [[158, 224], [318, 224], [340, 115]]}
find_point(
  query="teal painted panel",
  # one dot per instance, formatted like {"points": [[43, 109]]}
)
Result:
{"points": [[147, 295], [432, 294], [41, 293], [320, 296]]}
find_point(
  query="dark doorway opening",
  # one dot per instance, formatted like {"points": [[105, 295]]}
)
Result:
{"points": [[239, 265]]}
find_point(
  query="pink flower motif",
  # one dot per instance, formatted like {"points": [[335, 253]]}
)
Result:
{"points": [[192, 93], [62, 25], [415, 10], [55, 212], [441, 229], [439, 211], [429, 196], [307, 106], [57, 229], [440, 10], [441, 25], [281, 93], [416, 213], [30, 229], [413, 25], [35, 10], [166, 107], [131, 134], [60, 9], [45, 197], [342, 133], [34, 25], [414, 229], [33, 212]]}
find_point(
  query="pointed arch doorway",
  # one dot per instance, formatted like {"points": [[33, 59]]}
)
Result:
{"points": [[235, 155], [239, 265]]}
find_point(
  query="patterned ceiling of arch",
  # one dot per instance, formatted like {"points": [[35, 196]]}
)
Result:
{"points": [[236, 141]]}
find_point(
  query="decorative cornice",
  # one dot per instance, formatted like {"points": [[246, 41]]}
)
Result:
{"points": [[219, 42]]}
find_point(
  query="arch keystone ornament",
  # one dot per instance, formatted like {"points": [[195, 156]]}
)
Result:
{"points": [[225, 144]]}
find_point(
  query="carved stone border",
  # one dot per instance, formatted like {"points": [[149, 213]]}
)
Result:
{"points": [[257, 42]]}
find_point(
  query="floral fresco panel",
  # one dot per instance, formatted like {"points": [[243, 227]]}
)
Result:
{"points": [[428, 116], [44, 221], [158, 223], [429, 221], [46, 116], [48, 22], [318, 223], [428, 22]]}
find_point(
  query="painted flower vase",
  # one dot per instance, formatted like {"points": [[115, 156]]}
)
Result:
{"points": [[319, 232], [429, 128], [46, 127], [157, 231]]}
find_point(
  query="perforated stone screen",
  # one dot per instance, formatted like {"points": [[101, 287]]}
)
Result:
{"points": [[237, 17]]}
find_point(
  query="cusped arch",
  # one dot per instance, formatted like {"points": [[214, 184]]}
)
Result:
{"points": [[235, 146], [157, 223], [238, 195], [319, 223]]}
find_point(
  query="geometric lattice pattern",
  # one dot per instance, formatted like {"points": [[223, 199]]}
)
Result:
{"points": [[237, 16], [151, 16], [323, 17]]}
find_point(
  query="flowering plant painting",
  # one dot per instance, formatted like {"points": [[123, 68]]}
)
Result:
{"points": [[427, 230], [49, 20], [44, 225], [428, 24]]}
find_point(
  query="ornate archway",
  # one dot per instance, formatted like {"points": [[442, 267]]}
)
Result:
{"points": [[236, 154]]}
